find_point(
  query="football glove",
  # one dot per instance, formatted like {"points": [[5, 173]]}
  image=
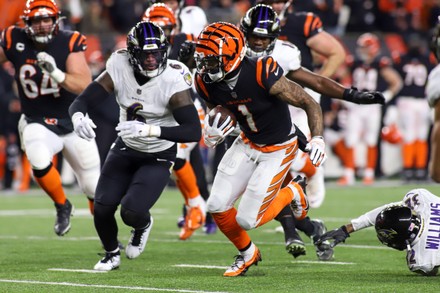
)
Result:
{"points": [[186, 51], [337, 235], [316, 150], [83, 126], [363, 97], [134, 128], [215, 134], [47, 64]]}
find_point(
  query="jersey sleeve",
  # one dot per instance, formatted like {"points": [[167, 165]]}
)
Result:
{"points": [[77, 42], [369, 218], [268, 72], [6, 38], [182, 77], [312, 25], [432, 89]]}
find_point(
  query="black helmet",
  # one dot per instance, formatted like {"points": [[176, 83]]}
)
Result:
{"points": [[397, 226], [147, 38], [261, 20]]}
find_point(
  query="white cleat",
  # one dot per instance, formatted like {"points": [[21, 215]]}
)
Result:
{"points": [[111, 261], [138, 240]]}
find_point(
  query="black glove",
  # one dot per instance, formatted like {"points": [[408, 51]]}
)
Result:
{"points": [[186, 52], [338, 235], [365, 97]]}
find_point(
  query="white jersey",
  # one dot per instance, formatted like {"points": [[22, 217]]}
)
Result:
{"points": [[432, 89], [287, 56], [193, 20], [425, 249], [149, 101]]}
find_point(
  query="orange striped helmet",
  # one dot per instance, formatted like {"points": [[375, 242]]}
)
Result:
{"points": [[220, 48], [161, 15], [368, 45], [39, 9]]}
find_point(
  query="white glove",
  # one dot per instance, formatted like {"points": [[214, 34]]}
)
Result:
{"points": [[134, 128], [47, 63], [316, 149], [83, 126], [214, 134]]}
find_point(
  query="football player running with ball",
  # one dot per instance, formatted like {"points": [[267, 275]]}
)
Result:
{"points": [[50, 70], [261, 27], [156, 111], [254, 167]]}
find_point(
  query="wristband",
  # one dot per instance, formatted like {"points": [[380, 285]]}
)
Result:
{"points": [[155, 131], [58, 75]]}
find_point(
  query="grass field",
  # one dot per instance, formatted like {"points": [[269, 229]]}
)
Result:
{"points": [[34, 259]]}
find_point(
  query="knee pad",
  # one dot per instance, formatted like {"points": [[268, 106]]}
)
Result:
{"points": [[244, 223], [135, 219], [38, 155], [103, 211], [41, 173]]}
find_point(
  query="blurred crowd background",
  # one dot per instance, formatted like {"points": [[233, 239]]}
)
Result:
{"points": [[106, 22]]}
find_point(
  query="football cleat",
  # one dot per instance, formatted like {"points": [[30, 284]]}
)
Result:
{"points": [[241, 265], [323, 250], [295, 247], [138, 240], [299, 204], [111, 261], [194, 220], [62, 222]]}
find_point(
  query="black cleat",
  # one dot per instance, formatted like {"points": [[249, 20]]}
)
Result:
{"points": [[295, 247], [323, 250], [62, 222]]}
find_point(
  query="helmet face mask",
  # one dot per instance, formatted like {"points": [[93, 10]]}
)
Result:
{"points": [[41, 18], [147, 46], [219, 51], [260, 24], [397, 226]]}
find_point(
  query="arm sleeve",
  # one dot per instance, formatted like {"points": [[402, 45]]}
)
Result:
{"points": [[188, 130], [93, 96], [369, 218]]}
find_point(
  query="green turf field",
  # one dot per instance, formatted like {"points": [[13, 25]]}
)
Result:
{"points": [[34, 259]]}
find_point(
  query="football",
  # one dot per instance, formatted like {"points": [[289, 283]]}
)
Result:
{"points": [[224, 115]]}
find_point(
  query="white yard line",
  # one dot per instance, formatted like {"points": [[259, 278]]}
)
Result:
{"points": [[319, 262], [76, 270], [138, 288], [199, 266]]}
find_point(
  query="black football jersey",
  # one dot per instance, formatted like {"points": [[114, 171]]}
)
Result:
{"points": [[40, 96], [414, 71], [263, 118], [367, 76], [176, 42], [298, 27]]}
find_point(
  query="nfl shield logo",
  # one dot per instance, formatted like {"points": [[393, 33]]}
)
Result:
{"points": [[234, 95], [138, 91]]}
